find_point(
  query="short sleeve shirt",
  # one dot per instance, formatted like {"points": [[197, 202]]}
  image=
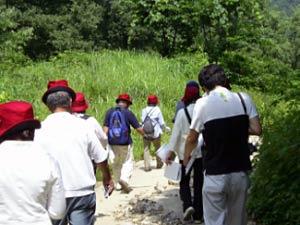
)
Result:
{"points": [[131, 120], [221, 118]]}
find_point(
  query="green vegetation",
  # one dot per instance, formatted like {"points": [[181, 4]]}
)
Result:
{"points": [[104, 48]]}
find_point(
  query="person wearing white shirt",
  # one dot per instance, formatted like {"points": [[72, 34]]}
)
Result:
{"points": [[31, 189], [157, 119], [192, 206], [225, 121], [79, 107], [73, 144]]}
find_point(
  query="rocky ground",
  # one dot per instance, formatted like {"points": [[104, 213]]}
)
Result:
{"points": [[152, 201]]}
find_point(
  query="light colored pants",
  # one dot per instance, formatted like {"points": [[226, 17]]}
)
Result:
{"points": [[224, 199], [127, 167], [123, 162], [147, 154]]}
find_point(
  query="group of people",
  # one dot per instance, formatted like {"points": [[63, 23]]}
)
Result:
{"points": [[48, 168], [213, 131]]}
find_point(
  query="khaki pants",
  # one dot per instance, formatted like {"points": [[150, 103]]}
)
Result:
{"points": [[121, 156], [147, 154]]}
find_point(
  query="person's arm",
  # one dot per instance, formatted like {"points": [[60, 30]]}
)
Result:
{"points": [[105, 129], [56, 203], [190, 145], [255, 126], [107, 180], [134, 122], [140, 131], [170, 157]]}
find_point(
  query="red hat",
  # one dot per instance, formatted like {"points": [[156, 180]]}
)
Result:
{"points": [[80, 104], [191, 93], [124, 97], [16, 116], [152, 99], [58, 85]]}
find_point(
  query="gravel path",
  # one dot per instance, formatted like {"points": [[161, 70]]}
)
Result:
{"points": [[152, 201]]}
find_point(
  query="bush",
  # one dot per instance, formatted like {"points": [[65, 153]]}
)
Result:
{"points": [[274, 195]]}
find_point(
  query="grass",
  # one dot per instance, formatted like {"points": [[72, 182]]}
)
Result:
{"points": [[102, 76]]}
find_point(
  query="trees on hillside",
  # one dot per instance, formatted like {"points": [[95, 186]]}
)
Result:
{"points": [[247, 37]]}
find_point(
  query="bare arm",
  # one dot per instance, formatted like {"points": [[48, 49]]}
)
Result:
{"points": [[190, 145], [140, 131], [105, 129], [103, 166], [255, 126]]}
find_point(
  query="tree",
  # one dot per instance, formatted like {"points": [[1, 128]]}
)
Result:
{"points": [[12, 38], [166, 26], [293, 35]]}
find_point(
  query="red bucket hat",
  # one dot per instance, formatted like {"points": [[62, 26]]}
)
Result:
{"points": [[191, 93], [124, 97], [152, 99], [58, 85], [16, 116], [80, 103]]}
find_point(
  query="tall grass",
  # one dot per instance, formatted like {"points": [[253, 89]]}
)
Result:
{"points": [[102, 76]]}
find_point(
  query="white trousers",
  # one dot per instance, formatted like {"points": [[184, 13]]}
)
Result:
{"points": [[127, 167], [224, 199]]}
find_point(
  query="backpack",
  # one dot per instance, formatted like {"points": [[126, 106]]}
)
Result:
{"points": [[118, 132], [148, 126]]}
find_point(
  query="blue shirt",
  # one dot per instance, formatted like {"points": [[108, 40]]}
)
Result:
{"points": [[131, 119]]}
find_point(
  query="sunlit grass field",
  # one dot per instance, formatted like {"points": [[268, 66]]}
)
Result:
{"points": [[102, 76]]}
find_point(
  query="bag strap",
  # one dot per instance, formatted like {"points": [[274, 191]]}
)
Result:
{"points": [[187, 115], [243, 102], [148, 115], [85, 116]]}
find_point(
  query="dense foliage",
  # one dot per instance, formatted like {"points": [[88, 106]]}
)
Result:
{"points": [[257, 43], [274, 196]]}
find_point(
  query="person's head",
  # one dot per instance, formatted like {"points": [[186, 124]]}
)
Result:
{"points": [[191, 94], [80, 105], [124, 99], [17, 121], [192, 83], [211, 76], [152, 100], [56, 90]]}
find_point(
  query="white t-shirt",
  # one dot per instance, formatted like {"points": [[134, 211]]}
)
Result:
{"points": [[180, 132], [31, 189], [155, 114], [73, 144], [220, 103], [93, 123]]}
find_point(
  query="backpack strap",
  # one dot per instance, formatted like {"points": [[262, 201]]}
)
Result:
{"points": [[243, 102], [85, 116], [148, 115], [187, 115]]}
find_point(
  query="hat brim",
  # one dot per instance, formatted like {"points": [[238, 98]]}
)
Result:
{"points": [[25, 125], [123, 99], [56, 89], [80, 108]]}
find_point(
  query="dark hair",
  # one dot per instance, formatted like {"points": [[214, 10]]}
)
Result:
{"points": [[211, 76], [24, 135]]}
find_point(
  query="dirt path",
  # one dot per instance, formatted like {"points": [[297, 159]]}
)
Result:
{"points": [[152, 201]]}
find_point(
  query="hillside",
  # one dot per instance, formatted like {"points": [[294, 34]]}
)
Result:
{"points": [[285, 5]]}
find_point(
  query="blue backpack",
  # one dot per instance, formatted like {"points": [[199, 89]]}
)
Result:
{"points": [[118, 132]]}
